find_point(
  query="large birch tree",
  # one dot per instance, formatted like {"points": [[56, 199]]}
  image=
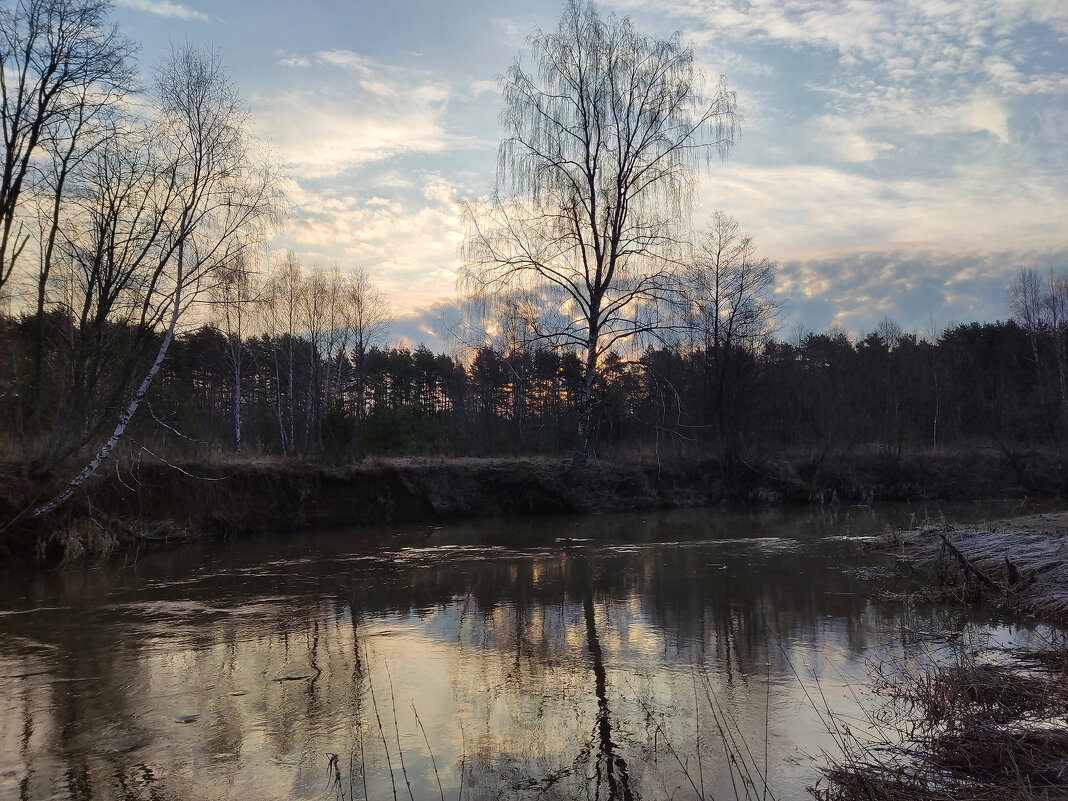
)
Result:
{"points": [[211, 196], [606, 127]]}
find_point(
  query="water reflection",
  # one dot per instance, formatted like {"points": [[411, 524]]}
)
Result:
{"points": [[603, 658]]}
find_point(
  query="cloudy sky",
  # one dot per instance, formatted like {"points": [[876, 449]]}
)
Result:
{"points": [[903, 158]]}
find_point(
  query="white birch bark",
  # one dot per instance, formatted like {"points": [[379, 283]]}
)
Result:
{"points": [[131, 408]]}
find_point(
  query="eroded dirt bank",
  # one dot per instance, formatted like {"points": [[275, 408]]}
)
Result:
{"points": [[157, 503]]}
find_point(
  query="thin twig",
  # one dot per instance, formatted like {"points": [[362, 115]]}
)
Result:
{"points": [[396, 731], [433, 761], [382, 732]]}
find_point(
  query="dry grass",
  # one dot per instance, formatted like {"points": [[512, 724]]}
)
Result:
{"points": [[1027, 558], [974, 729], [970, 731]]}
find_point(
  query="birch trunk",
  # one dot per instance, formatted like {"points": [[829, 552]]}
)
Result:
{"points": [[131, 408], [582, 438], [237, 393]]}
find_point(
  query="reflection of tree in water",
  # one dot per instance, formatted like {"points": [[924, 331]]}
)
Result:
{"points": [[544, 657], [610, 764]]}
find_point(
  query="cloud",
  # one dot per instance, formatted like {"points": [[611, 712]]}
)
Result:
{"points": [[431, 325], [922, 290], [297, 61], [900, 158], [907, 67], [322, 132], [805, 211], [896, 113], [348, 59], [330, 124], [845, 139], [908, 36], [513, 32], [372, 113], [479, 88], [166, 8], [408, 246]]}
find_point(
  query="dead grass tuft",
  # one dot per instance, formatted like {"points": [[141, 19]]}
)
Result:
{"points": [[969, 731], [974, 729]]}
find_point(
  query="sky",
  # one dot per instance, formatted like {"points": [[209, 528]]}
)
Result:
{"points": [[898, 158]]}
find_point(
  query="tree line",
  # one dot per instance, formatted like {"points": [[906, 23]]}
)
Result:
{"points": [[132, 225], [307, 378]]}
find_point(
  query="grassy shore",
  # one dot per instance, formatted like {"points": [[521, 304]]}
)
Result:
{"points": [[152, 502], [992, 723]]}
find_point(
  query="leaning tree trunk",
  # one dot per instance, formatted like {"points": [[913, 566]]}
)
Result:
{"points": [[131, 407]]}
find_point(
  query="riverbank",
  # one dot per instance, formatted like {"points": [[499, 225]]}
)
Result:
{"points": [[1021, 562], [992, 721], [159, 503]]}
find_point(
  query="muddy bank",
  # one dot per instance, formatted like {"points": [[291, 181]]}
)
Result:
{"points": [[990, 722], [1022, 562], [159, 503]]}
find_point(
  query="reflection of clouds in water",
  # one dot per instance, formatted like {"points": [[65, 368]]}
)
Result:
{"points": [[240, 680]]}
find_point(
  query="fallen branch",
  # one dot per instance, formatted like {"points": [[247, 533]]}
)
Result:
{"points": [[965, 564]]}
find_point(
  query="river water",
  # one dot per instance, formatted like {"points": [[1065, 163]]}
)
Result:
{"points": [[679, 655]]}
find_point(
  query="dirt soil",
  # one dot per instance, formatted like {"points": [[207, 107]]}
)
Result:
{"points": [[156, 502]]}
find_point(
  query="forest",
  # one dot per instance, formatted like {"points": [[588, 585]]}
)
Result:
{"points": [[341, 392], [146, 317]]}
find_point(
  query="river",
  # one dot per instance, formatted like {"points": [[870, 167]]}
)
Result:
{"points": [[683, 654]]}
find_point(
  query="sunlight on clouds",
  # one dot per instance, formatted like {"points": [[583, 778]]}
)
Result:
{"points": [[923, 290], [372, 113], [915, 67], [323, 132], [386, 203], [166, 8], [894, 113], [907, 35], [439, 191], [409, 250], [881, 138], [808, 211]]}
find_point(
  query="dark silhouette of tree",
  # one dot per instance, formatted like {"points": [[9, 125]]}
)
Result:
{"points": [[729, 309], [61, 62], [605, 126], [218, 196]]}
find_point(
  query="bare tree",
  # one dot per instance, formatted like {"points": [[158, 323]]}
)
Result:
{"points": [[232, 297], [504, 324], [728, 303], [59, 62], [605, 127], [314, 305], [368, 318], [728, 288], [889, 332], [1040, 305], [115, 236], [94, 121], [215, 195], [336, 338], [281, 311]]}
